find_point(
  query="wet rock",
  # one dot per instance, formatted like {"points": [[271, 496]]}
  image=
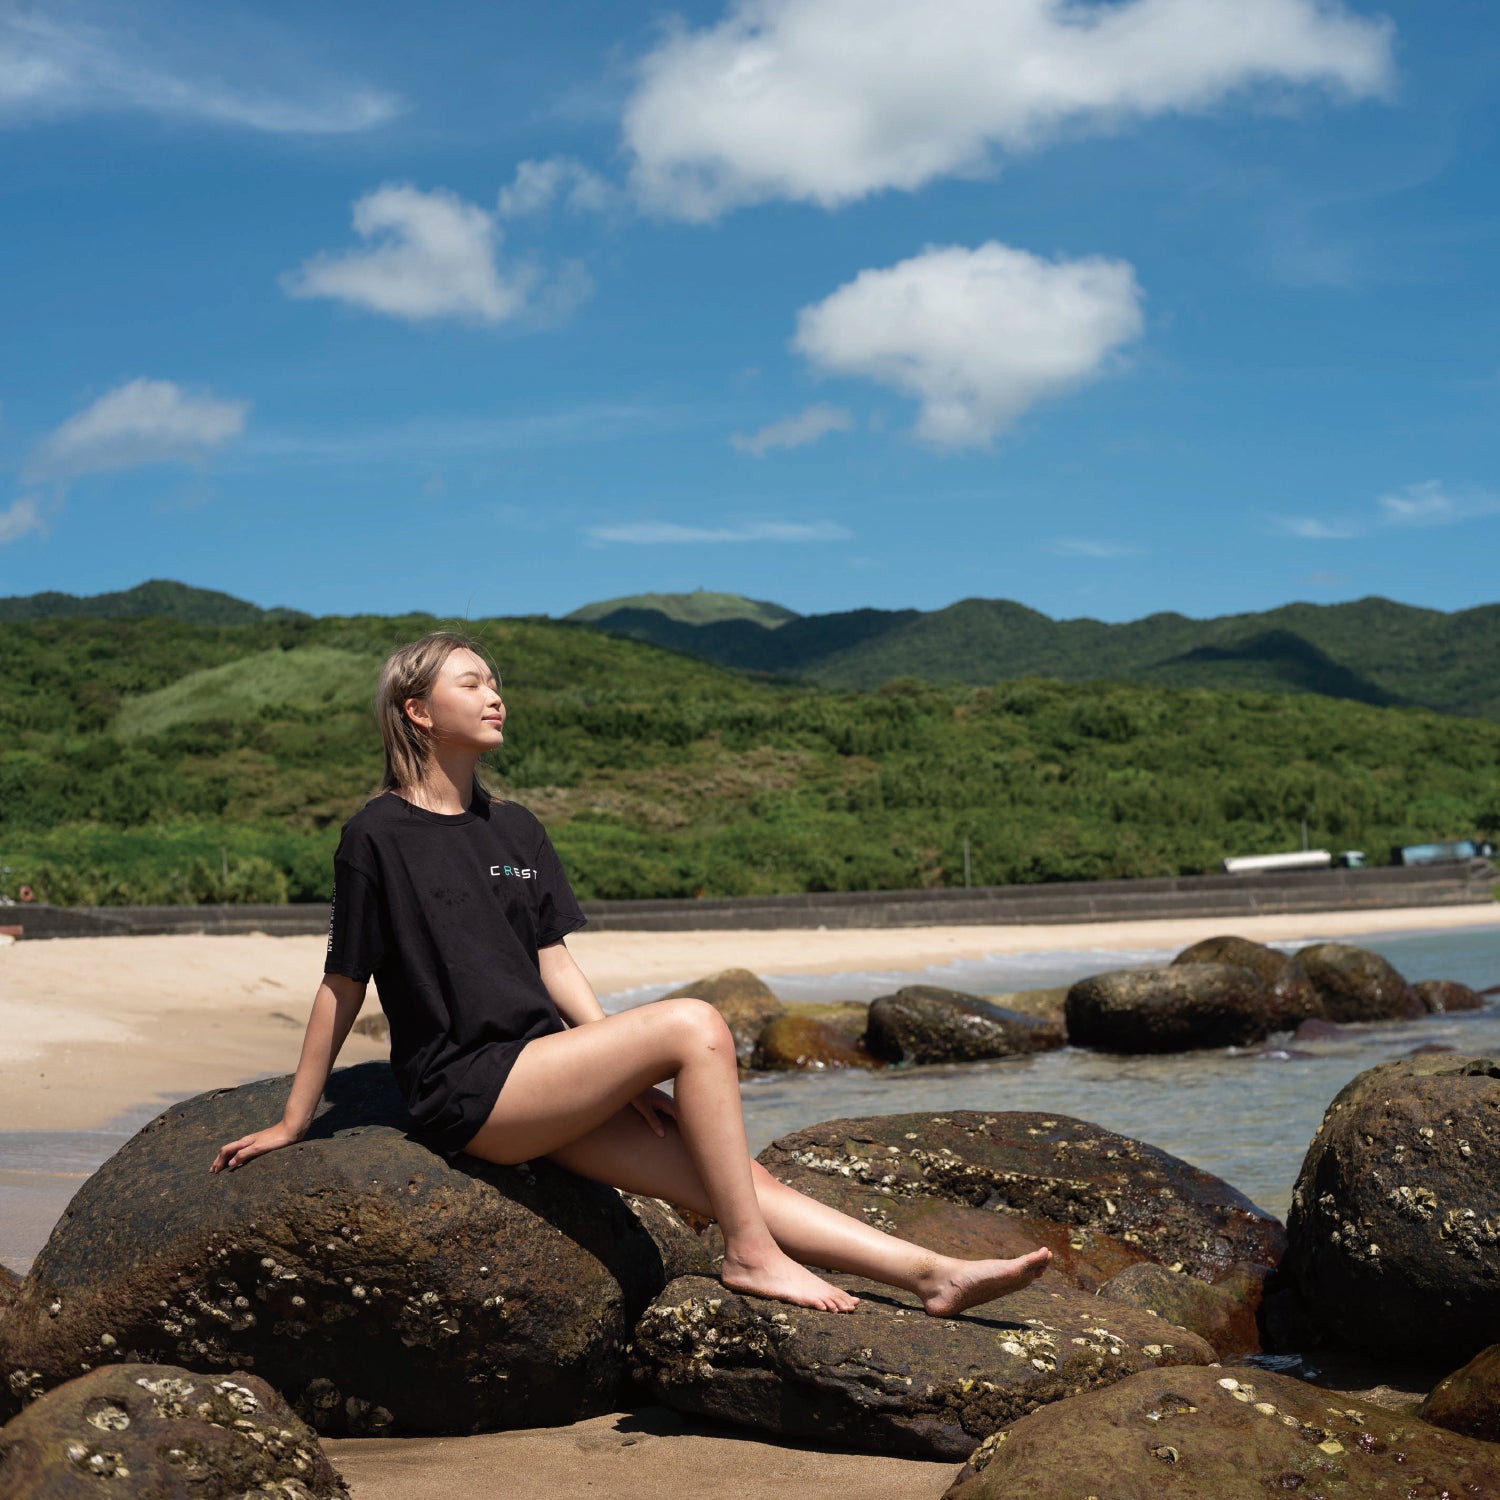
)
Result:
{"points": [[1315, 1030], [1468, 1400], [1394, 1233], [1225, 1314], [1357, 985], [800, 1042], [1045, 1005], [741, 998], [1038, 1166], [167, 1433], [1293, 997], [926, 1024], [1197, 1434], [380, 1287], [1438, 996], [885, 1376], [1170, 1009], [1081, 1257], [847, 1015]]}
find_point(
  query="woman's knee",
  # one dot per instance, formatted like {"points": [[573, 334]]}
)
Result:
{"points": [[698, 1024]]}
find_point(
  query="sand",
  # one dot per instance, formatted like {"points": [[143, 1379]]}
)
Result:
{"points": [[91, 1028]]}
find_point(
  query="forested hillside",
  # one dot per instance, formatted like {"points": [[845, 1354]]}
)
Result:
{"points": [[156, 760]]}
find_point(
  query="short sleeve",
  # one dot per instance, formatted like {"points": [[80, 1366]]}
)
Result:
{"points": [[557, 910], [356, 938]]}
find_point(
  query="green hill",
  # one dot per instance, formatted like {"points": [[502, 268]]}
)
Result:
{"points": [[701, 607], [147, 760], [1372, 651], [159, 598]]}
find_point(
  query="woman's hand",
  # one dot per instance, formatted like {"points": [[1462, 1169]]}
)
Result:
{"points": [[651, 1105], [237, 1153]]}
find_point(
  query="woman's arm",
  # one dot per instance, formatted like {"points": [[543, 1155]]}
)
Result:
{"points": [[334, 1008], [576, 1001], [571, 992]]}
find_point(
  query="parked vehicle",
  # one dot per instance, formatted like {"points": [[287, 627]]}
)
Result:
{"points": [[1448, 852], [1260, 864]]}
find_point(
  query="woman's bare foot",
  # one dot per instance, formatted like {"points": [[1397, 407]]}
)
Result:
{"points": [[953, 1285], [779, 1276]]}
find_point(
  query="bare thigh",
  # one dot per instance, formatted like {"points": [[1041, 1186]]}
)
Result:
{"points": [[565, 1085]]}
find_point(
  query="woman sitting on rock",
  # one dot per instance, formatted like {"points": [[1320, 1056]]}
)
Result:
{"points": [[455, 902]]}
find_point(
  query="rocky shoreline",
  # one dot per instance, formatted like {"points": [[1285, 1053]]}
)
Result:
{"points": [[1175, 1345]]}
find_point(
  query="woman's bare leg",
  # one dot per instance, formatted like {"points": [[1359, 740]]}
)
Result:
{"points": [[624, 1152], [565, 1086]]}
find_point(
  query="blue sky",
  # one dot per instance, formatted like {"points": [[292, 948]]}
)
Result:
{"points": [[499, 309]]}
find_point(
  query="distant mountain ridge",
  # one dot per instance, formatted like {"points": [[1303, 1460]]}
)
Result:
{"points": [[157, 598], [1372, 650]]}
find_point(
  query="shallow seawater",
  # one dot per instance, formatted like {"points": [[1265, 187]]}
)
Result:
{"points": [[1245, 1115]]}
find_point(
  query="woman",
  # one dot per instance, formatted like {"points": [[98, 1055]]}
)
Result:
{"points": [[456, 903]]}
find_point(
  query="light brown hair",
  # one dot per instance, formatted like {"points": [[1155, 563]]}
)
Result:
{"points": [[410, 672]]}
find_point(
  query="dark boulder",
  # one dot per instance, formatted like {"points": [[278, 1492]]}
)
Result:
{"points": [[1468, 1400], [1224, 1313], [1394, 1232], [380, 1287], [1357, 985], [926, 1024], [1315, 1030], [1292, 995], [167, 1433], [886, 1376], [1170, 1010], [1039, 1166], [742, 998], [1438, 996], [1196, 1434], [801, 1042]]}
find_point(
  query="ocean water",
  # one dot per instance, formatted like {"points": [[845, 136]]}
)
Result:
{"points": [[1246, 1115]]}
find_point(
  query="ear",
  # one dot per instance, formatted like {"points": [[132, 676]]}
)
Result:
{"points": [[417, 712]]}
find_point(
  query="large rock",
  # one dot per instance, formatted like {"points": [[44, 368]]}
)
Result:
{"points": [[744, 1001], [165, 1433], [1395, 1223], [1292, 995], [1468, 1400], [1357, 985], [1225, 1313], [377, 1285], [9, 1285], [801, 1042], [1170, 1009], [1438, 996], [925, 1024], [886, 1376], [1046, 1005], [1196, 1434], [1042, 1167]]}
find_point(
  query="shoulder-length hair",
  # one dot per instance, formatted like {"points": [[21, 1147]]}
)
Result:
{"points": [[410, 672]]}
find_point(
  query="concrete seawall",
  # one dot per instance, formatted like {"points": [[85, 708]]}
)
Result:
{"points": [[1226, 896]]}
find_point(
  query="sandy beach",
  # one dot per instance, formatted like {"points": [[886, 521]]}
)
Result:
{"points": [[91, 1029]]}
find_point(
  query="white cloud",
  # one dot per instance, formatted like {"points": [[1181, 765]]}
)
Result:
{"points": [[21, 516], [1428, 503], [655, 533], [538, 185], [795, 432], [977, 336], [431, 255], [827, 101], [141, 422], [55, 63], [1077, 546]]}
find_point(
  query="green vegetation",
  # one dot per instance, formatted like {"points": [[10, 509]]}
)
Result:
{"points": [[155, 760], [160, 598], [701, 607]]}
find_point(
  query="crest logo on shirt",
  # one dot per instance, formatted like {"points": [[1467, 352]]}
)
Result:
{"points": [[516, 872]]}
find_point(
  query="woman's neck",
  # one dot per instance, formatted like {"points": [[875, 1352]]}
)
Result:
{"points": [[447, 784]]}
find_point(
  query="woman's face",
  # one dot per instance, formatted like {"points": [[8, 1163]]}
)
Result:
{"points": [[464, 707]]}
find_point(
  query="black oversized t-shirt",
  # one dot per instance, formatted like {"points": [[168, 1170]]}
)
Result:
{"points": [[447, 911]]}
